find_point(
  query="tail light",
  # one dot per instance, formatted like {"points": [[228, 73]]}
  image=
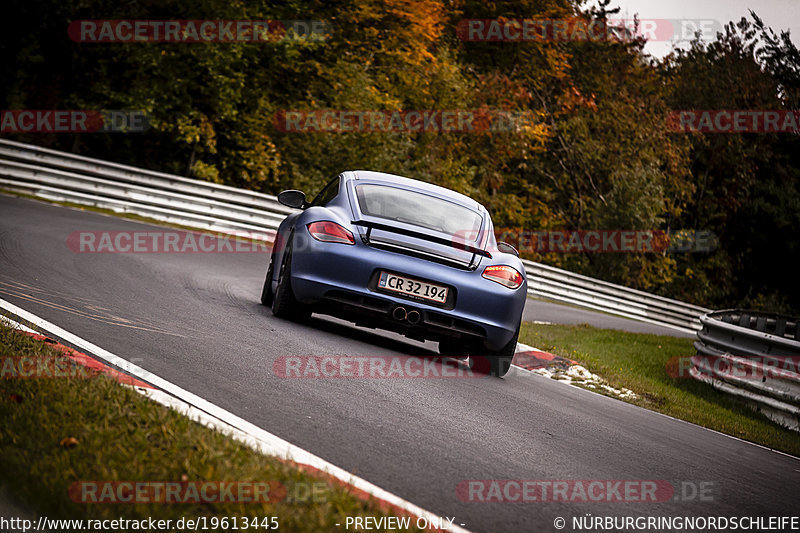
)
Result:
{"points": [[504, 275], [330, 232]]}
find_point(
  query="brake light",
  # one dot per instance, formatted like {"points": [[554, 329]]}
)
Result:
{"points": [[504, 275], [330, 232]]}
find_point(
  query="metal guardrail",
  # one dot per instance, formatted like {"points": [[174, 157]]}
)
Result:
{"points": [[569, 287], [72, 178], [66, 177], [755, 356]]}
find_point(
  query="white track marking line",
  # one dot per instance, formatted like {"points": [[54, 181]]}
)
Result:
{"points": [[259, 439], [525, 348]]}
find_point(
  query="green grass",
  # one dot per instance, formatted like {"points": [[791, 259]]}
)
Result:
{"points": [[123, 436], [639, 362]]}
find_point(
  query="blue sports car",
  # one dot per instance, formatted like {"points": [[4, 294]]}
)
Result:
{"points": [[399, 254]]}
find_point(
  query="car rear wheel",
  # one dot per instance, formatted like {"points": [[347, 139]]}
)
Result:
{"points": [[266, 293], [496, 362], [284, 304]]}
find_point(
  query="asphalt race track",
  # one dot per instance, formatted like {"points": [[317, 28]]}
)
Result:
{"points": [[544, 311], [195, 320]]}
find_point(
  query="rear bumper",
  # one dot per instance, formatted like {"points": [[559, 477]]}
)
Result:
{"points": [[335, 278]]}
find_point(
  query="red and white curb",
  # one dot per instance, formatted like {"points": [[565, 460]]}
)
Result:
{"points": [[208, 414], [79, 358], [564, 370]]}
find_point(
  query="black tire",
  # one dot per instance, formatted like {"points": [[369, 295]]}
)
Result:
{"points": [[266, 293], [284, 304], [496, 362]]}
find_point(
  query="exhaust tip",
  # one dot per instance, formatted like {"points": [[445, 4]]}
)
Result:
{"points": [[399, 313], [413, 317]]}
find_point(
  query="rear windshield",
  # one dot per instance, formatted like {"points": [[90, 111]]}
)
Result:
{"points": [[418, 209]]}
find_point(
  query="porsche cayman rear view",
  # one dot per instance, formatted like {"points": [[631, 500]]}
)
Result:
{"points": [[389, 252]]}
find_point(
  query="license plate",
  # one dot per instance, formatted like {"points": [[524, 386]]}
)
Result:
{"points": [[412, 287]]}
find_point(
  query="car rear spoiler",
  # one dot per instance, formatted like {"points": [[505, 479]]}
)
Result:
{"points": [[419, 235]]}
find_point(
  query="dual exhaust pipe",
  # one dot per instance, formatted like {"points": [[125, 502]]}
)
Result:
{"points": [[401, 314]]}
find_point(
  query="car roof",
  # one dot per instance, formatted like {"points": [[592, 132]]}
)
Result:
{"points": [[435, 190]]}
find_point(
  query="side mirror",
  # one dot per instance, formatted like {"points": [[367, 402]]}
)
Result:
{"points": [[507, 248], [292, 198]]}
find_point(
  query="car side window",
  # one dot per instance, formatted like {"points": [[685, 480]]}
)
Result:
{"points": [[328, 193]]}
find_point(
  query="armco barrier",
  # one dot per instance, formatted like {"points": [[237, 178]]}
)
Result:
{"points": [[564, 286], [755, 356], [66, 177]]}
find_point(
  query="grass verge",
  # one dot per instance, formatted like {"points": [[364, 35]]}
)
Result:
{"points": [[639, 362], [59, 431]]}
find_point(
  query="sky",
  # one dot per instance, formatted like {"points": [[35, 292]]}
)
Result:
{"points": [[708, 16]]}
